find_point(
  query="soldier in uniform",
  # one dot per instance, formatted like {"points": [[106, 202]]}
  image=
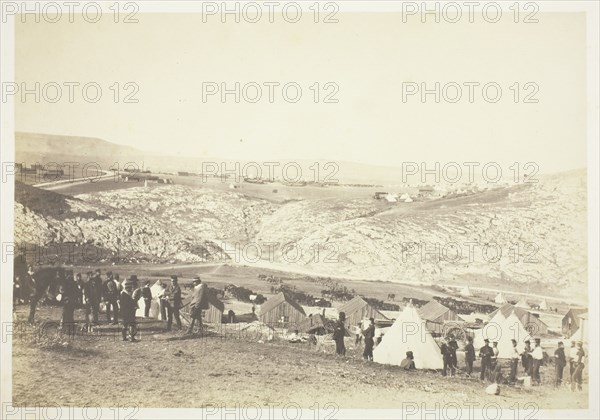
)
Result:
{"points": [[469, 355], [369, 334], [174, 303], [147, 296], [338, 335], [198, 303], [128, 309], [111, 296], [486, 354], [68, 292]]}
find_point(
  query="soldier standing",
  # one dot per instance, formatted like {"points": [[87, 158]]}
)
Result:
{"points": [[486, 354], [128, 309], [111, 296], [174, 303], [469, 355], [338, 335]]}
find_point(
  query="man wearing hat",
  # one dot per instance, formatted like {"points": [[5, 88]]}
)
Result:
{"points": [[128, 309], [369, 334], [198, 303], [147, 296], [560, 361], [486, 354], [173, 295], [446, 357], [537, 356], [338, 335], [111, 296], [526, 358], [469, 355], [514, 362], [577, 378]]}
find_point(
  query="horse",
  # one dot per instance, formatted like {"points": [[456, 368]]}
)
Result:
{"points": [[42, 282]]}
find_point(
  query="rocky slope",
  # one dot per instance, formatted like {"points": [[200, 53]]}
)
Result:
{"points": [[529, 236], [156, 224], [532, 234]]}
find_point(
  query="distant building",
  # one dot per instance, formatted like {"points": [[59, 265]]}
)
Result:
{"points": [[426, 190], [183, 173], [359, 309], [435, 315], [281, 310], [212, 315], [571, 321]]}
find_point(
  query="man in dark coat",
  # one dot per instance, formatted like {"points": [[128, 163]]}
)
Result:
{"points": [[469, 355], [97, 285], [128, 309], [446, 358], [577, 378], [68, 292], [198, 303], [486, 353], [409, 362], [526, 358], [369, 334], [90, 299], [147, 296], [338, 335], [452, 347], [174, 303], [111, 297], [560, 361]]}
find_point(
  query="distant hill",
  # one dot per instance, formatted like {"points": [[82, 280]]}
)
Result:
{"points": [[45, 148], [33, 148]]}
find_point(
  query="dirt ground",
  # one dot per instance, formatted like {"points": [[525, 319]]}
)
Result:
{"points": [[227, 368]]}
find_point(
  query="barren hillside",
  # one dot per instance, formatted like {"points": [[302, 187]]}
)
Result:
{"points": [[532, 234]]}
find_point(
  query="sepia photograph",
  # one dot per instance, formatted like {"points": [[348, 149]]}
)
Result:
{"points": [[299, 210]]}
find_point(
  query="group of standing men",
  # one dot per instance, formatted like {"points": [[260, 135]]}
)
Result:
{"points": [[120, 299], [531, 358]]}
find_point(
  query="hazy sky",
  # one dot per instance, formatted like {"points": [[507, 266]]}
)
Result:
{"points": [[368, 56]]}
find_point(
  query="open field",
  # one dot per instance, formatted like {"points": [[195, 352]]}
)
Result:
{"points": [[163, 370]]}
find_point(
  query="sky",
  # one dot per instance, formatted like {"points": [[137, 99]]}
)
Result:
{"points": [[370, 58]]}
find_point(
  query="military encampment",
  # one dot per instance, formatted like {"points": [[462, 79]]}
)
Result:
{"points": [[299, 210]]}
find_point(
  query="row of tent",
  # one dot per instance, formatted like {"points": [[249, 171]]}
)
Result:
{"points": [[522, 303], [410, 333]]}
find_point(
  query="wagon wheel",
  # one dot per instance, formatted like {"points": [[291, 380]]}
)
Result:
{"points": [[457, 332]]}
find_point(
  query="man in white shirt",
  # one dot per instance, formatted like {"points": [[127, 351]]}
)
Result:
{"points": [[571, 358], [514, 362], [197, 304], [538, 356]]}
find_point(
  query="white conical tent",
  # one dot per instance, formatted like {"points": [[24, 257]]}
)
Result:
{"points": [[466, 292], [498, 318], [544, 305], [522, 303], [500, 299], [409, 333], [503, 333]]}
